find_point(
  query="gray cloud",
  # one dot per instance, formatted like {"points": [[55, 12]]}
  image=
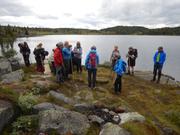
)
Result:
{"points": [[13, 8], [149, 12]]}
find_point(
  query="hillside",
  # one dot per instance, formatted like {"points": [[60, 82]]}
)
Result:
{"points": [[158, 103]]}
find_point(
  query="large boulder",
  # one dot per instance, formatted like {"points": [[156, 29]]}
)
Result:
{"points": [[5, 67], [113, 129], [15, 64], [83, 108], [63, 122], [47, 106], [14, 76], [62, 97], [131, 116], [6, 113]]}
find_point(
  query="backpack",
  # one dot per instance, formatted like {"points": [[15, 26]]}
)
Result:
{"points": [[92, 60]]}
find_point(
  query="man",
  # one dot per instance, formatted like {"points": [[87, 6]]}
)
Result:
{"points": [[25, 51], [114, 56], [119, 69], [159, 59], [58, 62], [132, 55], [78, 56], [91, 63], [67, 58]]}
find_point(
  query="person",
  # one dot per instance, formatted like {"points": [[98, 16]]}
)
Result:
{"points": [[77, 52], [132, 55], [119, 69], [114, 56], [91, 63], [67, 59], [159, 59], [25, 51], [40, 54], [51, 62], [58, 62]]}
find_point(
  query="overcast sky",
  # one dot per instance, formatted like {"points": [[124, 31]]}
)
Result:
{"points": [[93, 14]]}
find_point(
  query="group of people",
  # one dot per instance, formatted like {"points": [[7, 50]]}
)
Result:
{"points": [[64, 60]]}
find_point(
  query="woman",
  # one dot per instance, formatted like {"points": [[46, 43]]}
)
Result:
{"points": [[78, 56]]}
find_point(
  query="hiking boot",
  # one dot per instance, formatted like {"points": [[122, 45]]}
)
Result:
{"points": [[158, 81]]}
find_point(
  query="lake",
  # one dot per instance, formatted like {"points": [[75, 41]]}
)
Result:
{"points": [[146, 45]]}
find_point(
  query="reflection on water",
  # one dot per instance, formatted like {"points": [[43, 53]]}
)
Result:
{"points": [[146, 46]]}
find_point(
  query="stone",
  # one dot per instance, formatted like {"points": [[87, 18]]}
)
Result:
{"points": [[116, 119], [120, 109], [6, 113], [83, 107], [47, 106], [131, 116], [14, 76], [62, 97], [5, 67], [63, 122], [96, 119], [15, 64], [84, 95], [113, 129], [102, 80]]}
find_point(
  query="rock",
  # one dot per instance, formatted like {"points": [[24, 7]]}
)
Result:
{"points": [[116, 119], [14, 76], [112, 129], [47, 106], [102, 80], [84, 95], [84, 107], [96, 119], [6, 113], [62, 97], [63, 122], [105, 110], [15, 65], [5, 67], [112, 113], [131, 116], [120, 109]]}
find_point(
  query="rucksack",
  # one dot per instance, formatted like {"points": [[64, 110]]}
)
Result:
{"points": [[92, 60]]}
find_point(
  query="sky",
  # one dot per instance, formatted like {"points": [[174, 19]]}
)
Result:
{"points": [[91, 14]]}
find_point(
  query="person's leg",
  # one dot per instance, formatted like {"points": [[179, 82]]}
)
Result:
{"points": [[116, 85], [132, 70], [129, 66], [28, 62], [66, 69], [89, 78], [159, 72], [80, 65], [120, 83], [57, 74], [155, 72], [94, 77]]}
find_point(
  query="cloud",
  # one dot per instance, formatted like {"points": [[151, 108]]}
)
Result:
{"points": [[14, 8], [45, 17], [140, 12]]}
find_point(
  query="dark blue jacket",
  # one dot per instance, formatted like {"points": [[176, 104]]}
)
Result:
{"points": [[162, 58], [66, 53], [120, 67]]}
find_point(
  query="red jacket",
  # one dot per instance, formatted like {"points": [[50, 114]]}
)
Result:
{"points": [[58, 58]]}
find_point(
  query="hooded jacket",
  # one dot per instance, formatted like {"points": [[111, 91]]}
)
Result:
{"points": [[162, 57], [66, 53], [87, 61], [58, 58], [120, 67]]}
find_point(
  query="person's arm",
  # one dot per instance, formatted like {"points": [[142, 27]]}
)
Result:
{"points": [[164, 58], [154, 58], [97, 59], [87, 60]]}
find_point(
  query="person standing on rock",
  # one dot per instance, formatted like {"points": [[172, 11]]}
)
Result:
{"points": [[40, 55], [91, 63], [67, 58], [25, 51], [159, 59], [119, 69], [51, 62], [78, 56], [132, 55], [58, 61], [114, 56]]}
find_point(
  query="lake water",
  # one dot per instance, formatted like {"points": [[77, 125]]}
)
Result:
{"points": [[146, 45]]}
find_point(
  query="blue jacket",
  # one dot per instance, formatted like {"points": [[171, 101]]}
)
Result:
{"points": [[120, 67], [162, 57], [66, 53], [87, 63]]}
